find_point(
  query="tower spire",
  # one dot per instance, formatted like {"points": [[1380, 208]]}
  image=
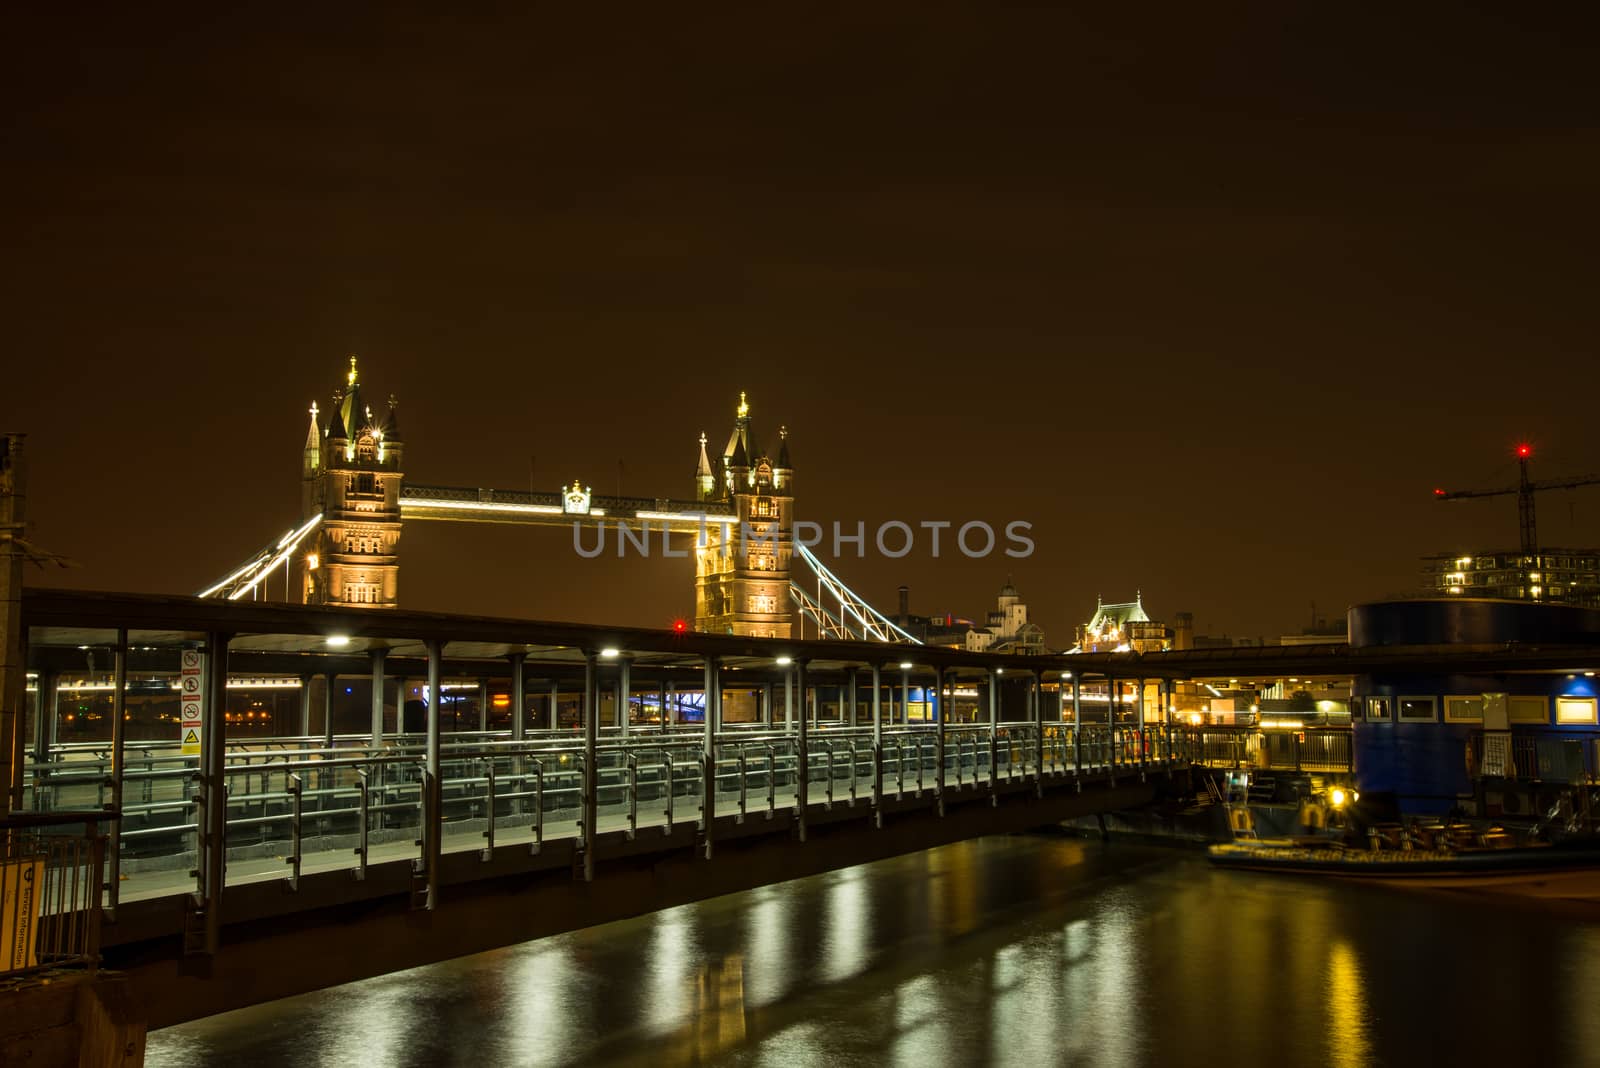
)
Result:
{"points": [[351, 377], [705, 479], [312, 457]]}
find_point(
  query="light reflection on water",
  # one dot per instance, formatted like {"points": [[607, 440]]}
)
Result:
{"points": [[1017, 950]]}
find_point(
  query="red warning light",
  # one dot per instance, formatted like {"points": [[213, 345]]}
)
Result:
{"points": [[679, 626], [1524, 451], [1438, 493]]}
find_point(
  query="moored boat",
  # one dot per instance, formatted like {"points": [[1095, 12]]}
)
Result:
{"points": [[1564, 869]]}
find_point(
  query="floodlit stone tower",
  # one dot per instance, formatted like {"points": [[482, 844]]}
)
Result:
{"points": [[351, 473], [742, 569]]}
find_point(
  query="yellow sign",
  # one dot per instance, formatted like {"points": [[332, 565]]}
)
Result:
{"points": [[21, 883], [191, 686]]}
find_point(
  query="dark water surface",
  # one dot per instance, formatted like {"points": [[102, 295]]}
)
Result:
{"points": [[1018, 950]]}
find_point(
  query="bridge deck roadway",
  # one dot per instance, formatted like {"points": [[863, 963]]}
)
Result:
{"points": [[334, 928]]}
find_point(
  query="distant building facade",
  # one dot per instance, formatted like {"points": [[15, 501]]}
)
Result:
{"points": [[1122, 627], [1007, 629], [1559, 576]]}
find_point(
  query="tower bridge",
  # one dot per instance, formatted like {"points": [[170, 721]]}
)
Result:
{"points": [[752, 578]]}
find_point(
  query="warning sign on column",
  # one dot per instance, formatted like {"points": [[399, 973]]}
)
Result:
{"points": [[191, 691]]}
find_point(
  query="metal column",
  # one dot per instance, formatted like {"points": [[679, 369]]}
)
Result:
{"points": [[850, 696], [433, 793], [1138, 710], [555, 704], [905, 696], [938, 743], [328, 680], [1038, 729], [214, 755], [708, 756], [519, 697], [483, 706], [377, 699], [119, 731], [1077, 725], [788, 701], [994, 736], [305, 705], [625, 694], [591, 773], [766, 705], [877, 742], [1113, 699], [802, 783], [45, 716], [1170, 702]]}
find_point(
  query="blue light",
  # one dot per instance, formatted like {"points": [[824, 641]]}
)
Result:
{"points": [[348, 690]]}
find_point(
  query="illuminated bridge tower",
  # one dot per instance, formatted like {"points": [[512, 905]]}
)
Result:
{"points": [[351, 474], [742, 569]]}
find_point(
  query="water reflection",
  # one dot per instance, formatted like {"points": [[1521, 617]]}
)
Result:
{"points": [[1015, 950], [1347, 1021]]}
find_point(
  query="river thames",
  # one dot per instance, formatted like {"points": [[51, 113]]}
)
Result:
{"points": [[1014, 950]]}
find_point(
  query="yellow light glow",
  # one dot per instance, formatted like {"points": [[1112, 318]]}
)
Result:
{"points": [[1337, 796], [313, 561], [744, 405]]}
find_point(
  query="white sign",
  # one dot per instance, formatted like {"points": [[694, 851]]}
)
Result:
{"points": [[191, 691], [1497, 754]]}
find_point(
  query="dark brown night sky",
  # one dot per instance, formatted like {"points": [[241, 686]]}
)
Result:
{"points": [[1213, 295]]}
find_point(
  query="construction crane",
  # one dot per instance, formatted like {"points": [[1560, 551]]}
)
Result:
{"points": [[1524, 489]]}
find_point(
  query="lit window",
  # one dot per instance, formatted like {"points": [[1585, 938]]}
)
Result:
{"points": [[1463, 709], [1575, 710], [1377, 708]]}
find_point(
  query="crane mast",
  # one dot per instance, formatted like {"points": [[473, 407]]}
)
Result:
{"points": [[1525, 490]]}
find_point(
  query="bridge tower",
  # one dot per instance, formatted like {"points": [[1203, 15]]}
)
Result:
{"points": [[351, 473], [742, 570]]}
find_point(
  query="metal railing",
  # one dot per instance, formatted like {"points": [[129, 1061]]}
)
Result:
{"points": [[295, 806], [1540, 755], [52, 872]]}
